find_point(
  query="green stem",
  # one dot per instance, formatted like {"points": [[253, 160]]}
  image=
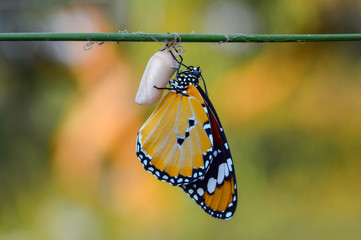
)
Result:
{"points": [[151, 37]]}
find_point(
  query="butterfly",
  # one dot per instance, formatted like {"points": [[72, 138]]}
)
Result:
{"points": [[183, 143]]}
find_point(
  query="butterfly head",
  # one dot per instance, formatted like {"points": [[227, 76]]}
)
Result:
{"points": [[195, 71]]}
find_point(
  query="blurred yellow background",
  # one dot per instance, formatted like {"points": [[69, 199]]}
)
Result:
{"points": [[68, 121]]}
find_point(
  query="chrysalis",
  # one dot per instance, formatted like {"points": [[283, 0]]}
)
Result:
{"points": [[158, 72]]}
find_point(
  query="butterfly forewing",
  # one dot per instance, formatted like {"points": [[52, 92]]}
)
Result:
{"points": [[216, 193], [175, 143]]}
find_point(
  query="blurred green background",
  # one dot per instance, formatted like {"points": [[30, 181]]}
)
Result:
{"points": [[68, 121]]}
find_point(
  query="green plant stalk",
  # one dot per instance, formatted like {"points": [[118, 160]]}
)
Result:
{"points": [[151, 37]]}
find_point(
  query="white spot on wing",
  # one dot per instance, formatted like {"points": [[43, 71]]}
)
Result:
{"points": [[226, 171], [229, 162], [200, 191], [221, 170], [206, 165], [207, 125], [211, 185]]}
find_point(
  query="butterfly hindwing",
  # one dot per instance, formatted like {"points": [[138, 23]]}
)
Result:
{"points": [[216, 193], [175, 143]]}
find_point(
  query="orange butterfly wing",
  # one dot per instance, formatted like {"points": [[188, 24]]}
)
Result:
{"points": [[175, 143], [216, 193]]}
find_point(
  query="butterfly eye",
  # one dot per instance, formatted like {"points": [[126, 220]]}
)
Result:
{"points": [[157, 74]]}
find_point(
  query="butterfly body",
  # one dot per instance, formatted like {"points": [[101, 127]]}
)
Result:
{"points": [[183, 143]]}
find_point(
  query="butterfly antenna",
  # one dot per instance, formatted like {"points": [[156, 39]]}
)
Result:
{"points": [[204, 84], [180, 63]]}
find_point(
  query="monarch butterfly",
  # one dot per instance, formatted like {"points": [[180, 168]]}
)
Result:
{"points": [[183, 143], [160, 68]]}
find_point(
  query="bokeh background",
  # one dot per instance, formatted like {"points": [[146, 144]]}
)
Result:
{"points": [[68, 121]]}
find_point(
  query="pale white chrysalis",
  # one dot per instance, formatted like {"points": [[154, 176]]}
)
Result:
{"points": [[158, 72]]}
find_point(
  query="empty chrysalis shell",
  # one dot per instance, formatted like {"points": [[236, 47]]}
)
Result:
{"points": [[158, 72]]}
